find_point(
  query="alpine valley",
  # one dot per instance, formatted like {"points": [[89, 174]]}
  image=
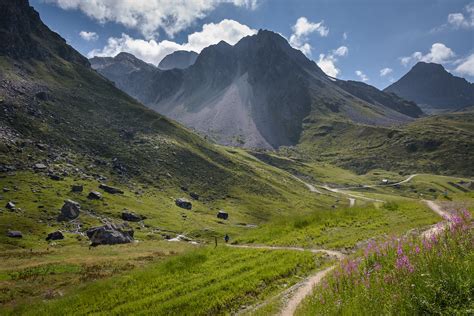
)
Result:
{"points": [[231, 181]]}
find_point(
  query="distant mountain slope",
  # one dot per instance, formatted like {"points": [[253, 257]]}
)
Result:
{"points": [[180, 59], [433, 88], [440, 144], [56, 108], [258, 92]]}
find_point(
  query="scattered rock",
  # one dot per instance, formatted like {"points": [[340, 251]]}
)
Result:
{"points": [[94, 195], [10, 205], [57, 235], [132, 217], [42, 95], [194, 196], [76, 188], [39, 166], [222, 214], [6, 189], [14, 234], [110, 189], [110, 234], [183, 188], [69, 211], [55, 177], [183, 203]]}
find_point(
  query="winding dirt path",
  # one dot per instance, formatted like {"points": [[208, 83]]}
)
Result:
{"points": [[439, 227], [333, 253]]}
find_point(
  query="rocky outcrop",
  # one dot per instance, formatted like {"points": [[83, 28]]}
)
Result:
{"points": [[434, 89], [110, 189], [132, 217], [110, 234], [69, 211], [183, 203], [94, 195], [180, 59], [14, 234], [24, 36], [57, 235]]}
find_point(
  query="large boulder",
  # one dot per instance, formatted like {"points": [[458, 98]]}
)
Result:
{"points": [[14, 234], [110, 234], [183, 203], [40, 166], [94, 195], [57, 235], [77, 188], [69, 211], [222, 214], [110, 189], [10, 205], [132, 217]]}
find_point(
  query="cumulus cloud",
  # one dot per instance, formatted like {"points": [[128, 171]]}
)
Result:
{"points": [[466, 66], [153, 52], [302, 29], [362, 76], [149, 16], [89, 36], [463, 20], [439, 53], [327, 62], [385, 71]]}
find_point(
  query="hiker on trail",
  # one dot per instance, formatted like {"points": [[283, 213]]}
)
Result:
{"points": [[226, 238]]}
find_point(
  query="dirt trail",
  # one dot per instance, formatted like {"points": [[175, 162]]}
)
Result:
{"points": [[441, 226]]}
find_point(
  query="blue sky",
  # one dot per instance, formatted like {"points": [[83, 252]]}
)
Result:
{"points": [[372, 40]]}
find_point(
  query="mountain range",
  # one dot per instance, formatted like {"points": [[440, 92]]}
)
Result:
{"points": [[256, 93], [179, 59], [434, 89]]}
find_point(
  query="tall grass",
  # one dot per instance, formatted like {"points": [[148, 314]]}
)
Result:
{"points": [[404, 276]]}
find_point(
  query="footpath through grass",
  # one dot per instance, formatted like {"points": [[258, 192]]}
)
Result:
{"points": [[407, 276], [202, 282]]}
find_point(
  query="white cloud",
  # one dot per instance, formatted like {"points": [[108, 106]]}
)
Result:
{"points": [[301, 31], [149, 16], [327, 62], [341, 51], [439, 53], [462, 20], [344, 36], [153, 52], [466, 66], [89, 36], [362, 76], [385, 71]]}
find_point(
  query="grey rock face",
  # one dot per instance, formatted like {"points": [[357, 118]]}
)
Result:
{"points": [[77, 188], [132, 217], [178, 60], [183, 203], [69, 211], [110, 189], [433, 88], [110, 234], [10, 205], [57, 235], [94, 195], [222, 215], [14, 234]]}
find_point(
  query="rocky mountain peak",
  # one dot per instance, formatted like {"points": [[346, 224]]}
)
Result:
{"points": [[24, 36]]}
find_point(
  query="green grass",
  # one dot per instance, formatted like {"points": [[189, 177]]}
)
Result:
{"points": [[344, 227], [407, 276], [201, 282]]}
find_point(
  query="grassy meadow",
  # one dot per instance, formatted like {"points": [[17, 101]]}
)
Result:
{"points": [[404, 276]]}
